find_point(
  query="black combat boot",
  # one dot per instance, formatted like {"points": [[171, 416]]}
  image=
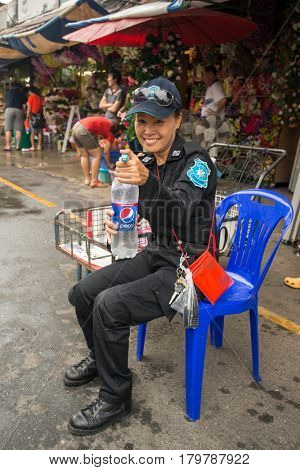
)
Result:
{"points": [[82, 372], [98, 416]]}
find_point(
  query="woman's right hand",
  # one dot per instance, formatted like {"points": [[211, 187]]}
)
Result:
{"points": [[110, 227]]}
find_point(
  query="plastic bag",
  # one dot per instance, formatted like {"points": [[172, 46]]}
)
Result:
{"points": [[187, 303]]}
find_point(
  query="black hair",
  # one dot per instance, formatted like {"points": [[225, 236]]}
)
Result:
{"points": [[33, 89], [116, 75], [117, 128], [210, 68], [16, 85]]}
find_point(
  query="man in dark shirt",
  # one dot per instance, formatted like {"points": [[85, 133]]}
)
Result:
{"points": [[15, 100]]}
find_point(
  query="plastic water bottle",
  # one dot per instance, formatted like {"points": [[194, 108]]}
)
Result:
{"points": [[125, 206]]}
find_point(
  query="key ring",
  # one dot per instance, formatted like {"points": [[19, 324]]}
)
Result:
{"points": [[179, 271]]}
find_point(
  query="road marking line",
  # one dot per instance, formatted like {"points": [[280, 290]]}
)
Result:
{"points": [[27, 193], [279, 320]]}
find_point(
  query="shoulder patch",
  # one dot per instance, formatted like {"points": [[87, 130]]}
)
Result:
{"points": [[199, 173]]}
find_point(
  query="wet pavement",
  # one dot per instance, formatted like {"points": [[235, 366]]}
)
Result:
{"points": [[40, 338]]}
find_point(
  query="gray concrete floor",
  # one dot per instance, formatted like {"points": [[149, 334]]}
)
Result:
{"points": [[40, 338]]}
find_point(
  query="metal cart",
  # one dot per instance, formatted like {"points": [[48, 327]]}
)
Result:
{"points": [[243, 165], [80, 234]]}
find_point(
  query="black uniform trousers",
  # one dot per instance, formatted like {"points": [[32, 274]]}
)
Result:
{"points": [[108, 301]]}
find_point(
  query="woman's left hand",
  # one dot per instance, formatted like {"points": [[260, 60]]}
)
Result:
{"points": [[131, 172]]}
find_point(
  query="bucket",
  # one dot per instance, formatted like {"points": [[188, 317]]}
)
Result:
{"points": [[104, 175]]}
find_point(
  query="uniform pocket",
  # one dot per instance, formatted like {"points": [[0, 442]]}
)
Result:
{"points": [[164, 290]]}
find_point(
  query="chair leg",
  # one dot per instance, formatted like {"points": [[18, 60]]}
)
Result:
{"points": [[211, 332], [141, 341], [254, 342], [218, 326], [194, 367]]}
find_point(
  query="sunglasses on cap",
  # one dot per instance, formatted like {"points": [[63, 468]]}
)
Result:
{"points": [[161, 97]]}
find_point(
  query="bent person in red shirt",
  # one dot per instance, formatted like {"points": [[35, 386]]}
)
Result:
{"points": [[86, 133]]}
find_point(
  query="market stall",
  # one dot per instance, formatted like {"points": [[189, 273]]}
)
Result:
{"points": [[262, 102]]}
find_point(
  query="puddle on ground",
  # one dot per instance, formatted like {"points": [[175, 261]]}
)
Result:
{"points": [[10, 202]]}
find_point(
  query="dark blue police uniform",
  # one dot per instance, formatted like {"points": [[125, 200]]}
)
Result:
{"points": [[178, 196]]}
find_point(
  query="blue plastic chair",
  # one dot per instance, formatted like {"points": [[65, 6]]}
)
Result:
{"points": [[257, 219]]}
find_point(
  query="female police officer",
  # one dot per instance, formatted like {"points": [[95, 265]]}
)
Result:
{"points": [[177, 190]]}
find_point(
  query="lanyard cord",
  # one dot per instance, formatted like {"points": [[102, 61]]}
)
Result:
{"points": [[211, 234], [174, 233]]}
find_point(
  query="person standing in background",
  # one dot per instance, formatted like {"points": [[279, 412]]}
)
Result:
{"points": [[35, 117], [215, 99], [113, 97], [15, 100]]}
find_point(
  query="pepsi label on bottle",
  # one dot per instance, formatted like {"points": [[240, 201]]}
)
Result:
{"points": [[125, 216]]}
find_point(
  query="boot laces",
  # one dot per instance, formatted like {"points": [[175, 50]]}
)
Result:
{"points": [[84, 362], [93, 408]]}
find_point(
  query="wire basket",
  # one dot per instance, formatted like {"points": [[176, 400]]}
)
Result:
{"points": [[80, 234]]}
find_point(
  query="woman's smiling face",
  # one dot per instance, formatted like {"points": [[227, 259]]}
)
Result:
{"points": [[156, 135]]}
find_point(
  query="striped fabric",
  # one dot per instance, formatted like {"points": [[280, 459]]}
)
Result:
{"points": [[9, 55], [144, 10], [44, 35]]}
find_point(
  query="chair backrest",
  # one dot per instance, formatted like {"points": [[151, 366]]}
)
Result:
{"points": [[257, 220]]}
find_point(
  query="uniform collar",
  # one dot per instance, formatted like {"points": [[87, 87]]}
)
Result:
{"points": [[176, 149]]}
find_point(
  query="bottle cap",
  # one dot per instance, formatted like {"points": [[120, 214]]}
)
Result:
{"points": [[124, 158]]}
